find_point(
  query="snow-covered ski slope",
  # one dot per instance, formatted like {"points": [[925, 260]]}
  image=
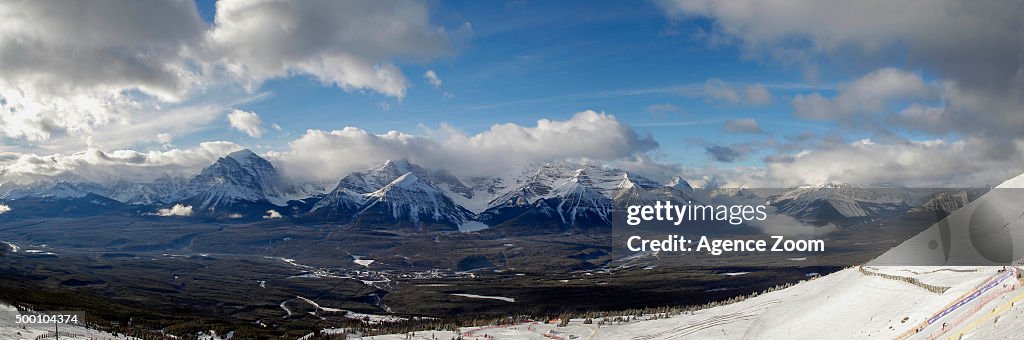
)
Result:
{"points": [[10, 330], [848, 304]]}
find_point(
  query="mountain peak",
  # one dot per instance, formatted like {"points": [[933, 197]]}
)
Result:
{"points": [[679, 183], [407, 198], [395, 165], [241, 176], [579, 173], [242, 153], [244, 156], [626, 183]]}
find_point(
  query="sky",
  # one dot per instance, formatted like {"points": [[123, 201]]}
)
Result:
{"points": [[724, 93]]}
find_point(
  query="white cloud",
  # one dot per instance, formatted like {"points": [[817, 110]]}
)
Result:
{"points": [[69, 69], [4, 209], [882, 160], [661, 108], [140, 127], [97, 165], [164, 139], [711, 176], [349, 44], [869, 94], [320, 154], [176, 210], [644, 165], [502, 148], [432, 78], [758, 95], [742, 125], [272, 214], [890, 100], [963, 112], [129, 45], [922, 163], [247, 122], [933, 34], [925, 163], [717, 90]]}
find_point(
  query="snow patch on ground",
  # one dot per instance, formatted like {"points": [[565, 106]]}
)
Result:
{"points": [[372, 318], [360, 261], [14, 247], [734, 273], [474, 296]]}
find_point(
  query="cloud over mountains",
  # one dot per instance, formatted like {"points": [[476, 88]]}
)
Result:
{"points": [[320, 154], [588, 134]]}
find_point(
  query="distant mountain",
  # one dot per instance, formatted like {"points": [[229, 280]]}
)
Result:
{"points": [[944, 203], [379, 176], [244, 185], [556, 194], [49, 189], [571, 195], [340, 205], [409, 199], [846, 202], [632, 193], [545, 197], [64, 206], [66, 197], [358, 190], [240, 181], [161, 190], [680, 184]]}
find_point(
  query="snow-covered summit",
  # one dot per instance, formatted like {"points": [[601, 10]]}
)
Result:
{"points": [[679, 183], [570, 192], [241, 176], [410, 199], [847, 201]]}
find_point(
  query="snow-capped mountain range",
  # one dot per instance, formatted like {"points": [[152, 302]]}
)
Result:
{"points": [[397, 191], [564, 194], [571, 194], [241, 176]]}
